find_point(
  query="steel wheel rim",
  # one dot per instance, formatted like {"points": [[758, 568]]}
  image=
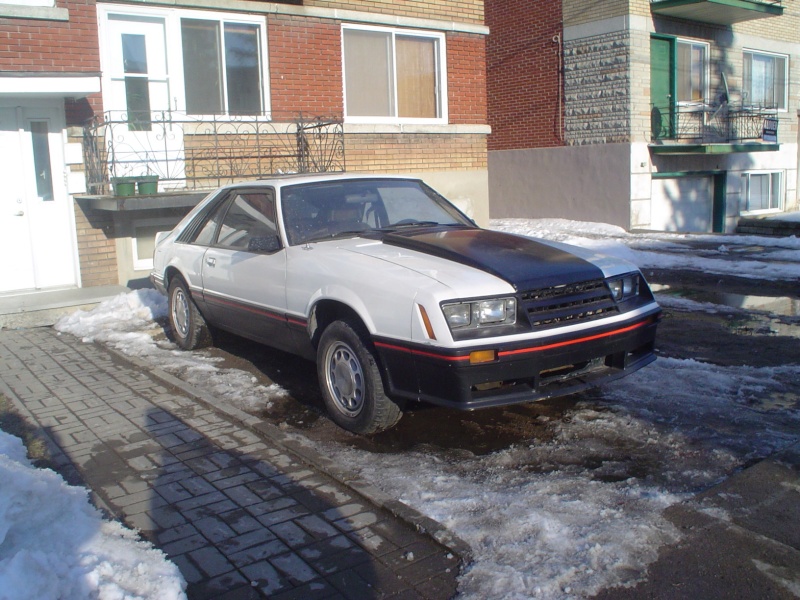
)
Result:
{"points": [[345, 379], [180, 312]]}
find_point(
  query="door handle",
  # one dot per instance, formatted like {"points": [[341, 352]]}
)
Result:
{"points": [[19, 213], [211, 262]]}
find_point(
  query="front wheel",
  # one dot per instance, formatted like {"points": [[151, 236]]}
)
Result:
{"points": [[188, 325], [351, 382]]}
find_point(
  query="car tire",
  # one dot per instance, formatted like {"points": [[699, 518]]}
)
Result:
{"points": [[189, 328], [351, 382]]}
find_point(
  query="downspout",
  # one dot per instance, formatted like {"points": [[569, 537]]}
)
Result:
{"points": [[557, 40]]}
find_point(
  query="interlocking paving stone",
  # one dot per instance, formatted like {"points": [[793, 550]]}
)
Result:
{"points": [[238, 514]]}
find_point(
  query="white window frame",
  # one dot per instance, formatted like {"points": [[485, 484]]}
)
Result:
{"points": [[441, 77], [174, 49], [746, 93], [706, 71], [746, 176]]}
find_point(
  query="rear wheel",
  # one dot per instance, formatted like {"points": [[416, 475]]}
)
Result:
{"points": [[188, 325], [351, 382]]}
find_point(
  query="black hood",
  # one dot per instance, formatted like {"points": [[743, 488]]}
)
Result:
{"points": [[523, 262]]}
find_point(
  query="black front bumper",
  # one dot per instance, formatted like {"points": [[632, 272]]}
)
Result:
{"points": [[523, 372]]}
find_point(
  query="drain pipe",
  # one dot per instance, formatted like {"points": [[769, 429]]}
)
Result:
{"points": [[557, 41]]}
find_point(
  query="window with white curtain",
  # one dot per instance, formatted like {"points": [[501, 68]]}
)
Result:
{"points": [[764, 78], [393, 75]]}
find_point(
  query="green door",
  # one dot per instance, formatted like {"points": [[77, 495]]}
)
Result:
{"points": [[662, 87]]}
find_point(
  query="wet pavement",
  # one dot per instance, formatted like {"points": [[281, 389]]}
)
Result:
{"points": [[244, 510]]}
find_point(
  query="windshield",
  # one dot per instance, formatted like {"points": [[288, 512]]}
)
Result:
{"points": [[317, 211]]}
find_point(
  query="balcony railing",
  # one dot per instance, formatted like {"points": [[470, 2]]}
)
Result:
{"points": [[198, 153], [703, 123]]}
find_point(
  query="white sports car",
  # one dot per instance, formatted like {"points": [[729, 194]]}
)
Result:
{"points": [[399, 297]]}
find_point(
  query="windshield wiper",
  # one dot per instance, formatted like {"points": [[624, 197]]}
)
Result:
{"points": [[408, 223]]}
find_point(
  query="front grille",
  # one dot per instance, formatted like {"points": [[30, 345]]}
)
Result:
{"points": [[564, 304]]}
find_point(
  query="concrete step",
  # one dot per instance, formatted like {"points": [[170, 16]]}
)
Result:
{"points": [[783, 225]]}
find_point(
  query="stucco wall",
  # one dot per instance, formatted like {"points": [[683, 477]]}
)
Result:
{"points": [[585, 183]]}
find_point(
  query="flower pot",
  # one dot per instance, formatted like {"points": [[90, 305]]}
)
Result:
{"points": [[124, 186], [147, 184]]}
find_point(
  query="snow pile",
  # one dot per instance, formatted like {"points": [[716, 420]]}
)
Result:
{"points": [[127, 323], [54, 544]]}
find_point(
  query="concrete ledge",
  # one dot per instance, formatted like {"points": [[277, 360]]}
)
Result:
{"points": [[43, 308]]}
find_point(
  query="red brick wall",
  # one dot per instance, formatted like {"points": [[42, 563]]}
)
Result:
{"points": [[523, 64], [466, 78], [52, 46], [41, 46], [305, 63]]}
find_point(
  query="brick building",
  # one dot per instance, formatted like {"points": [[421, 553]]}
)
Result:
{"points": [[648, 114], [180, 97]]}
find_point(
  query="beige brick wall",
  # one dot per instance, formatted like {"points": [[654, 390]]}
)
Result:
{"points": [[785, 28], [467, 11], [393, 153], [96, 246], [577, 12]]}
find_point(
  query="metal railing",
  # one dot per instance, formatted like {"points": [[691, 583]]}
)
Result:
{"points": [[705, 123], [195, 153]]}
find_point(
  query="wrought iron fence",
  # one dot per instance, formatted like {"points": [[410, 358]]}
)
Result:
{"points": [[704, 123], [188, 153]]}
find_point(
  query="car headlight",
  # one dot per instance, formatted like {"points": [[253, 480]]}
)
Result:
{"points": [[624, 288], [481, 313]]}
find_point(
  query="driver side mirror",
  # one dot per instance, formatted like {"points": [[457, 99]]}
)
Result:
{"points": [[264, 245]]}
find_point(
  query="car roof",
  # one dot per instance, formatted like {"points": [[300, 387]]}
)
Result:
{"points": [[279, 181]]}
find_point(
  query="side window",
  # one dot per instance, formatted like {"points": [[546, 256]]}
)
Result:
{"points": [[249, 223], [204, 234]]}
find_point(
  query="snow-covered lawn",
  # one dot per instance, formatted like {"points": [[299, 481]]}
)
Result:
{"points": [[556, 519]]}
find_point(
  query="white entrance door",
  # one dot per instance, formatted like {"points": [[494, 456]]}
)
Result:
{"points": [[145, 139], [684, 204], [36, 218]]}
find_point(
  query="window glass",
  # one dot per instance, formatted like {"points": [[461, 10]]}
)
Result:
{"points": [[250, 216], [221, 67], [764, 80], [692, 69], [392, 75], [243, 69], [41, 160], [368, 73], [137, 89], [202, 66], [416, 77], [205, 233], [319, 211], [763, 191]]}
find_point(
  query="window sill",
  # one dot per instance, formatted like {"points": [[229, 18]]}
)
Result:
{"points": [[43, 13], [374, 128]]}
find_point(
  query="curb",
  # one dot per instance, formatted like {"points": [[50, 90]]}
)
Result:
{"points": [[300, 448]]}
